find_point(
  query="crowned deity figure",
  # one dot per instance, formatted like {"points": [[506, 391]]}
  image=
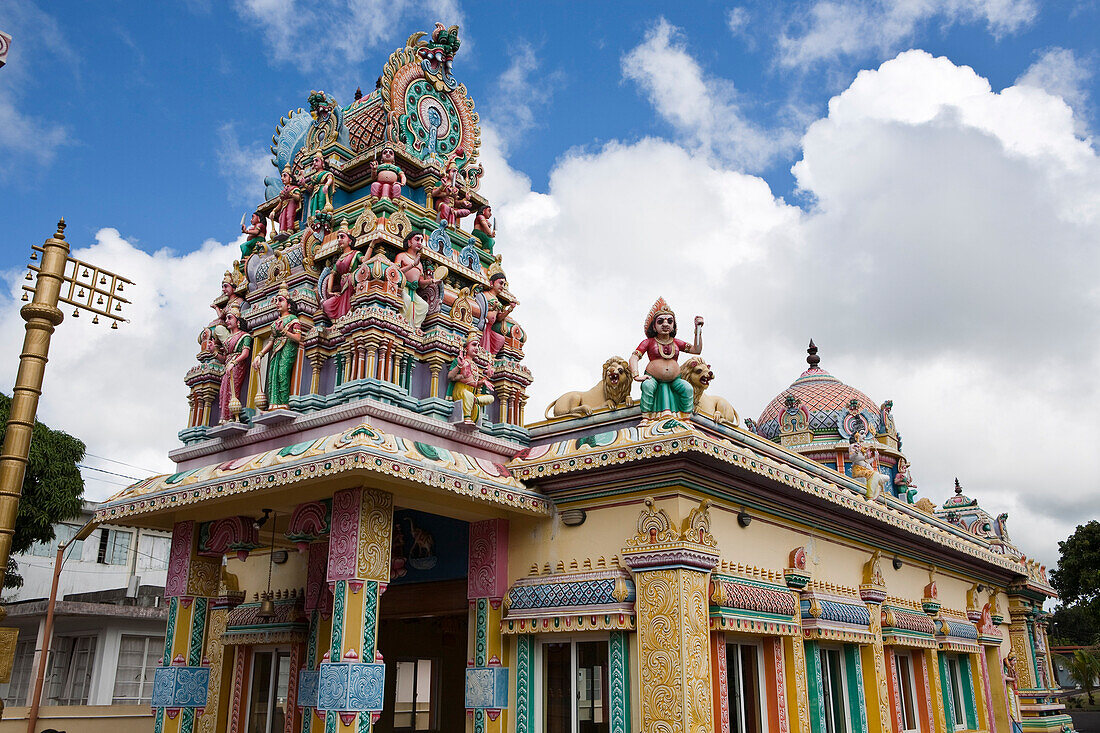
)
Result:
{"points": [[1008, 670], [485, 227], [320, 183], [498, 308], [290, 200], [234, 352], [412, 267], [663, 390], [863, 455], [904, 487], [216, 331], [467, 381], [257, 233], [340, 283], [286, 336], [388, 176], [450, 202]]}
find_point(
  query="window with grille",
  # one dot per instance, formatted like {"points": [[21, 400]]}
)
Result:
{"points": [[907, 697], [138, 657], [71, 670], [744, 687], [21, 672], [114, 546]]}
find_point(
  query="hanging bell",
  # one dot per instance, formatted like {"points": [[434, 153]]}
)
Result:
{"points": [[114, 325], [76, 313], [28, 277], [85, 272], [34, 256], [25, 298], [102, 280], [81, 293], [119, 288], [95, 319], [267, 609], [100, 301], [118, 306]]}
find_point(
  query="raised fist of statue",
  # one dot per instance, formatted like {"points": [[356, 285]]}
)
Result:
{"points": [[698, 321]]}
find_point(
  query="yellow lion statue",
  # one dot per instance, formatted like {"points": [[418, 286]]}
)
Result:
{"points": [[697, 373], [611, 392]]}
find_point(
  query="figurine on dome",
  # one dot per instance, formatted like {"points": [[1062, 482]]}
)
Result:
{"points": [[257, 233], [485, 227], [216, 331], [409, 262], [234, 352], [904, 488], [388, 176], [449, 199], [863, 455], [290, 201], [339, 285], [663, 389], [320, 183], [286, 336], [466, 378], [498, 326]]}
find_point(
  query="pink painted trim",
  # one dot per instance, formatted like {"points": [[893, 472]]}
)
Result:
{"points": [[179, 559], [344, 537], [488, 559]]}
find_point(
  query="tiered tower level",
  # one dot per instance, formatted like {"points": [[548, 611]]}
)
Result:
{"points": [[375, 233]]}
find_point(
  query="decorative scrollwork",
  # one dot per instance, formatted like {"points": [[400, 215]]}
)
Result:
{"points": [[696, 528], [654, 526]]}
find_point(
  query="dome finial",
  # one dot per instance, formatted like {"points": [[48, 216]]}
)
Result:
{"points": [[958, 487], [812, 359]]}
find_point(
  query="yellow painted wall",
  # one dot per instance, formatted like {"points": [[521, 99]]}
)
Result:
{"points": [[82, 719], [252, 573]]}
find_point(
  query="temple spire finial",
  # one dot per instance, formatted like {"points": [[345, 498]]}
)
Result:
{"points": [[812, 358], [958, 486]]}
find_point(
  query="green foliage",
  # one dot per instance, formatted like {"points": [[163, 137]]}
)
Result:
{"points": [[1075, 625], [1084, 668], [1077, 577], [53, 489]]}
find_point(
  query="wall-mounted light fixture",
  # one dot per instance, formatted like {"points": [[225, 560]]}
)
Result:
{"points": [[897, 563], [573, 517], [744, 518]]}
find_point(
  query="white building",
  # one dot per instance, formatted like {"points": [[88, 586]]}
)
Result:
{"points": [[109, 620]]}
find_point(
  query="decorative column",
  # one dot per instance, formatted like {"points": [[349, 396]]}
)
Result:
{"points": [[930, 663], [720, 677], [181, 685], [351, 678], [797, 577], [487, 582], [872, 591], [671, 573]]}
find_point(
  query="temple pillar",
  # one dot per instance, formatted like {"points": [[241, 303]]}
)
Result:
{"points": [[672, 575], [872, 591], [182, 684], [351, 677], [795, 682], [318, 605], [930, 669], [720, 680], [487, 582]]}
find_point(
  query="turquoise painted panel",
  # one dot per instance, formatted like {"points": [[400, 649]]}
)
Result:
{"points": [[815, 690], [857, 699], [525, 683], [945, 692], [620, 682], [969, 701]]}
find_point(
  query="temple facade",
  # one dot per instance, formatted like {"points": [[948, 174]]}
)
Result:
{"points": [[369, 535]]}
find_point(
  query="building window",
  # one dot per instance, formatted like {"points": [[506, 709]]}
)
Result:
{"points": [[71, 670], [414, 697], [744, 677], [153, 552], [62, 533], [114, 546], [574, 686], [834, 686], [957, 676], [21, 671], [267, 701], [907, 696], [138, 657]]}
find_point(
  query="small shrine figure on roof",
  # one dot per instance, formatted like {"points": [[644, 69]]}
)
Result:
{"points": [[286, 336], [320, 183], [497, 309], [663, 389], [257, 233], [903, 482], [467, 380], [412, 267], [448, 197], [339, 284], [290, 201], [234, 352], [216, 332], [863, 455], [485, 227], [388, 176]]}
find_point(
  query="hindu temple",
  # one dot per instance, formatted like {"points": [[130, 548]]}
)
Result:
{"points": [[370, 534]]}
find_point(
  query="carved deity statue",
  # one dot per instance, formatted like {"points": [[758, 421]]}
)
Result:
{"points": [[290, 201], [466, 381], [388, 176], [903, 482], [216, 332], [340, 281], [663, 389], [234, 352], [257, 233], [449, 199], [412, 267], [485, 227], [498, 325], [286, 336], [863, 454], [320, 183]]}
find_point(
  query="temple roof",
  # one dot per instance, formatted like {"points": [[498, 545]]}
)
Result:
{"points": [[363, 448]]}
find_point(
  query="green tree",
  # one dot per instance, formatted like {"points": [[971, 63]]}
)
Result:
{"points": [[1083, 668], [53, 489], [1077, 577]]}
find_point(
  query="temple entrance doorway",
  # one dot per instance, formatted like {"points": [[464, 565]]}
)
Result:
{"points": [[267, 698], [423, 627]]}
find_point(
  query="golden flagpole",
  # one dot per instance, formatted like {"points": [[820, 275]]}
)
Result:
{"points": [[60, 279]]}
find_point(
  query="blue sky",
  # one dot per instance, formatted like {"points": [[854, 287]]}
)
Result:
{"points": [[915, 184]]}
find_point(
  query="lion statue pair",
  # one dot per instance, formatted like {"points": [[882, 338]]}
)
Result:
{"points": [[613, 392]]}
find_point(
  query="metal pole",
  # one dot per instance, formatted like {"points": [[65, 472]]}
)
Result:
{"points": [[41, 315]]}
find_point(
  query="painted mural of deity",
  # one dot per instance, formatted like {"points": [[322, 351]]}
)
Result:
{"points": [[663, 390]]}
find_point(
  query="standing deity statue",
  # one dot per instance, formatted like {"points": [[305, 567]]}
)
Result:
{"points": [[485, 227], [216, 331], [388, 176], [234, 352], [257, 233], [466, 378], [903, 482], [449, 200], [320, 183], [340, 282], [663, 390], [498, 325], [863, 454], [286, 336], [1012, 694], [290, 200], [411, 266]]}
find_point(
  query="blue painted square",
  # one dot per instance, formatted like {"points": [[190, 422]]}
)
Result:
{"points": [[180, 687], [308, 680], [487, 688], [366, 685], [332, 686], [164, 686]]}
